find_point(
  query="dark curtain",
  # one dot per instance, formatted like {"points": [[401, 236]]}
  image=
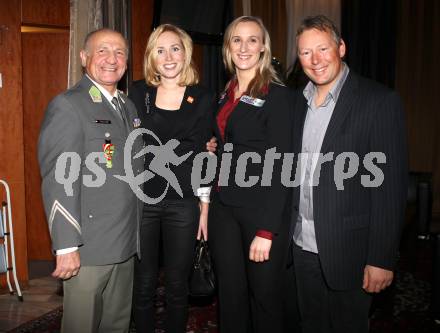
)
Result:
{"points": [[369, 31], [417, 75], [273, 14], [205, 21], [214, 74]]}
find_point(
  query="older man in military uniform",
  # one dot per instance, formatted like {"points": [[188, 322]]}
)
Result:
{"points": [[94, 220]]}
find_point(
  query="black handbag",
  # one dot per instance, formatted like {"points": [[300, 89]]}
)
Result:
{"points": [[202, 278]]}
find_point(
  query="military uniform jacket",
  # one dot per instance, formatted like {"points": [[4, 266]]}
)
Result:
{"points": [[100, 217]]}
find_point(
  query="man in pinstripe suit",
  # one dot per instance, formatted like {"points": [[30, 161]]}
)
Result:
{"points": [[345, 238]]}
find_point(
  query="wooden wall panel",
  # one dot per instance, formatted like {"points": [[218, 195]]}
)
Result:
{"points": [[46, 12], [11, 126], [142, 20], [50, 51]]}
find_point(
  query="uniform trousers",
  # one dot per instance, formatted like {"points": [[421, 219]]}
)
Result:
{"points": [[98, 299], [250, 294], [176, 222]]}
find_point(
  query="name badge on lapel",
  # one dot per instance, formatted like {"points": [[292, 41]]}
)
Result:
{"points": [[252, 101], [102, 121]]}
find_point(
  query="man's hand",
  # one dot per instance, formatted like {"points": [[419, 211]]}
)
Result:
{"points": [[260, 248], [376, 279], [67, 265], [211, 145]]}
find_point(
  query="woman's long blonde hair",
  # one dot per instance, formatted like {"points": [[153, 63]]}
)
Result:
{"points": [[265, 73]]}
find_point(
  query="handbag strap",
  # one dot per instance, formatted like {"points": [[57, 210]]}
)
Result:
{"points": [[201, 246]]}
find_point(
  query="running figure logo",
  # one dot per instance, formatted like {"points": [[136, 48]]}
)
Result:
{"points": [[163, 156]]}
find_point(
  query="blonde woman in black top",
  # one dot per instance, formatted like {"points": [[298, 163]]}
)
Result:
{"points": [[173, 106]]}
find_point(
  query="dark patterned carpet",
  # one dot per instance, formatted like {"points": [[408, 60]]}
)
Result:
{"points": [[403, 308], [202, 318], [408, 312]]}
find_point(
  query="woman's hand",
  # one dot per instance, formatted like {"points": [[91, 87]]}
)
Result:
{"points": [[211, 145], [203, 221], [260, 248]]}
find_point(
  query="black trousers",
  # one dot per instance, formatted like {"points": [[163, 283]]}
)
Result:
{"points": [[249, 294], [322, 309], [177, 222]]}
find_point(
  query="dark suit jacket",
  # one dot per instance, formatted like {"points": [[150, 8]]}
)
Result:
{"points": [[358, 226], [255, 129]]}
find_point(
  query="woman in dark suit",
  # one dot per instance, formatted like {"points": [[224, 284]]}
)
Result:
{"points": [[248, 235], [172, 105]]}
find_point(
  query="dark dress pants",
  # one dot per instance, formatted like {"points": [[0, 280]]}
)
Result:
{"points": [[176, 221], [322, 309], [249, 294]]}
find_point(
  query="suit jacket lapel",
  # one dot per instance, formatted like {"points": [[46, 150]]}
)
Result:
{"points": [[130, 114], [221, 103], [299, 119], [237, 112], [99, 110], [190, 98], [342, 109]]}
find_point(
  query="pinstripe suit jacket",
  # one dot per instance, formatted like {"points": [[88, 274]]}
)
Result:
{"points": [[358, 226]]}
